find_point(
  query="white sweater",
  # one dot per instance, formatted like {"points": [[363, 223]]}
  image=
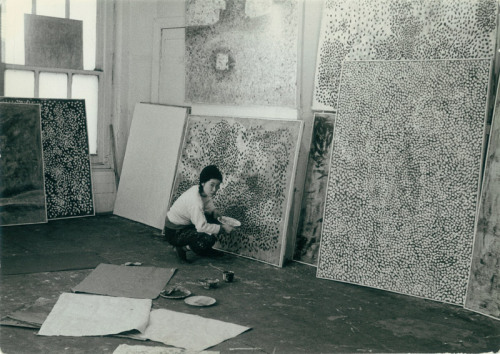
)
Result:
{"points": [[190, 208]]}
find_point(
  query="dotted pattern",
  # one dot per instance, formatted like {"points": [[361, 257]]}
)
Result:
{"points": [[262, 51], [401, 197], [68, 184], [203, 12], [313, 200], [256, 158], [399, 30]]}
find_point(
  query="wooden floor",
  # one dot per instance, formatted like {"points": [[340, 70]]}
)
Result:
{"points": [[288, 309]]}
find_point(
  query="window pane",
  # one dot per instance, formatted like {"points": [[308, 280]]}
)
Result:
{"points": [[54, 8], [13, 30], [19, 83], [53, 85], [86, 86], [86, 11]]}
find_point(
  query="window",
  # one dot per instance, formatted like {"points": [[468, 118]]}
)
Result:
{"points": [[23, 78]]}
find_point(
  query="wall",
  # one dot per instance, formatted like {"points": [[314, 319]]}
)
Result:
{"points": [[132, 68]]}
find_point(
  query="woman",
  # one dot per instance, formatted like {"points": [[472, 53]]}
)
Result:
{"points": [[192, 219]]}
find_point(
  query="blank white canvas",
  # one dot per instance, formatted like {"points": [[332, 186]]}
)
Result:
{"points": [[95, 315], [149, 165]]}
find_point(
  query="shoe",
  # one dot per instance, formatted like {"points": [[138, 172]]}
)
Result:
{"points": [[181, 254]]}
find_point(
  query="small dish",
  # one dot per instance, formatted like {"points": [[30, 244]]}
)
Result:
{"points": [[229, 221], [200, 301], [175, 292], [209, 283]]}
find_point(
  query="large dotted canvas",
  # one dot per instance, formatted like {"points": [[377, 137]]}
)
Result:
{"points": [[22, 197], [68, 180], [403, 182], [257, 158], [308, 236], [483, 293], [399, 30], [242, 52]]}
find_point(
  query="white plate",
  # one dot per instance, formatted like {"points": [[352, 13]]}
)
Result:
{"points": [[200, 301], [229, 221]]}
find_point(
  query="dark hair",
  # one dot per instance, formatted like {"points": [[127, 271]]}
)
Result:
{"points": [[208, 173]]}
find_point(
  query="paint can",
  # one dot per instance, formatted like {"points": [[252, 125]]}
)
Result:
{"points": [[228, 276]]}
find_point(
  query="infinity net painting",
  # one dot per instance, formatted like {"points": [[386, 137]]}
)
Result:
{"points": [[399, 30], [257, 158], [404, 175]]}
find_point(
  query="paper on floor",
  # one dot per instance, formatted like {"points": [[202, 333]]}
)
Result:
{"points": [[142, 349], [94, 315], [134, 282], [187, 331]]}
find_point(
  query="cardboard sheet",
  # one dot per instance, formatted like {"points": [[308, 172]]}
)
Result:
{"points": [[187, 331], [143, 349], [34, 314], [134, 282], [149, 164], [93, 315]]}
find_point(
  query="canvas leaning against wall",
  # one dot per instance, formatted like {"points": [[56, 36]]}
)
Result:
{"points": [[482, 294], [313, 199], [257, 158], [153, 145], [404, 176], [22, 194], [399, 30], [242, 52], [65, 144]]}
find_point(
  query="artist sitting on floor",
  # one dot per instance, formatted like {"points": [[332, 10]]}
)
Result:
{"points": [[192, 219]]}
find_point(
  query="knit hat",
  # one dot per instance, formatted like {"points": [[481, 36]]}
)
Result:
{"points": [[210, 172]]}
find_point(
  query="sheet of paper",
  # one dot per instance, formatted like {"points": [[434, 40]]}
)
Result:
{"points": [[133, 282], [93, 315], [187, 331]]}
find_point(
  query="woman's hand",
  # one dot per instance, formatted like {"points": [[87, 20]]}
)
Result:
{"points": [[216, 214], [227, 228]]}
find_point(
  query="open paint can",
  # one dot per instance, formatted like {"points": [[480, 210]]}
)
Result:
{"points": [[228, 276]]}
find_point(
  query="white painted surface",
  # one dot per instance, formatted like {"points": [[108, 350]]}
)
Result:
{"points": [[149, 165]]}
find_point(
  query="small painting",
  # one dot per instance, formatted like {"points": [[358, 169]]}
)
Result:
{"points": [[22, 195], [313, 199]]}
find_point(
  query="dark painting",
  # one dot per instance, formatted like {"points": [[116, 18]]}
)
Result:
{"points": [[22, 197], [313, 199], [483, 294], [53, 42]]}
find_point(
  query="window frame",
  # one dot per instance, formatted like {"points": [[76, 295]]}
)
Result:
{"points": [[99, 159]]}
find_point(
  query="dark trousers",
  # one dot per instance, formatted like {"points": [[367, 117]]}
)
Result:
{"points": [[198, 242]]}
